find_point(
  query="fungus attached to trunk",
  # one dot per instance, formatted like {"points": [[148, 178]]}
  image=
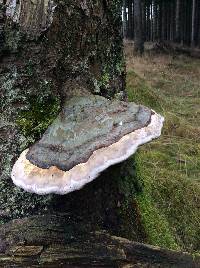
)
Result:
{"points": [[90, 134]]}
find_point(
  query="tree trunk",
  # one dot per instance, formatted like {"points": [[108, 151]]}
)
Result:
{"points": [[152, 22], [193, 23], [164, 22], [138, 41], [131, 18], [188, 23], [124, 20], [173, 21], [144, 21], [178, 25], [49, 53], [159, 21], [148, 22], [198, 26], [2, 24], [47, 57], [155, 18]]}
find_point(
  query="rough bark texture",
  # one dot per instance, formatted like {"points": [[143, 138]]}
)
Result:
{"points": [[56, 241]]}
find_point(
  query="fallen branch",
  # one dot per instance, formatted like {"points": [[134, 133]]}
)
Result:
{"points": [[54, 241]]}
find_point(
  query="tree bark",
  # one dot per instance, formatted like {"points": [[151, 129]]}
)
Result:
{"points": [[178, 26], [124, 20], [198, 24], [193, 23], [131, 18], [164, 21], [138, 40], [159, 21], [155, 18], [56, 241], [148, 22], [152, 21]]}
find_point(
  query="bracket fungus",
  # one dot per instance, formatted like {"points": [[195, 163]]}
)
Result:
{"points": [[89, 135]]}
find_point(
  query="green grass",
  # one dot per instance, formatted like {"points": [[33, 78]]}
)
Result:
{"points": [[138, 91], [169, 167]]}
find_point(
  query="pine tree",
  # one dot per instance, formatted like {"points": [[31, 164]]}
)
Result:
{"points": [[138, 40]]}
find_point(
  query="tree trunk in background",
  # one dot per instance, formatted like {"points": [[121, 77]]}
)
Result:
{"points": [[188, 22], [133, 27], [144, 21], [167, 10], [124, 19], [129, 19], [183, 19], [173, 20], [155, 12], [164, 22], [152, 21], [138, 40], [159, 21], [178, 26], [193, 23], [148, 22], [198, 25]]}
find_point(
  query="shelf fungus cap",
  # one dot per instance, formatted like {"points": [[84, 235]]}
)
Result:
{"points": [[89, 135]]}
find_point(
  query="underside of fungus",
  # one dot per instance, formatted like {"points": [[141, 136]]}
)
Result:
{"points": [[91, 134]]}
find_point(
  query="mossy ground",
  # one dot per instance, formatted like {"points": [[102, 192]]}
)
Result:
{"points": [[169, 168]]}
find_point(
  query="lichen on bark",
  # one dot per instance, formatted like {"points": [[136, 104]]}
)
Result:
{"points": [[80, 50]]}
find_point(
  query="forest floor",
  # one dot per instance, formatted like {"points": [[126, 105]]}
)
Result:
{"points": [[169, 167]]}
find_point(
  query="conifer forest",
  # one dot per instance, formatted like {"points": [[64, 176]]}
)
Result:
{"points": [[171, 21]]}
